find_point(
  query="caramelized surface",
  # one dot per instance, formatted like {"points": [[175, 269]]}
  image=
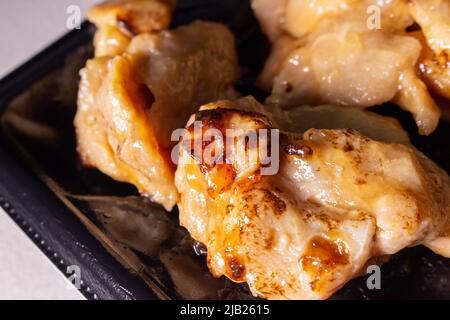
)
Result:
{"points": [[338, 200]]}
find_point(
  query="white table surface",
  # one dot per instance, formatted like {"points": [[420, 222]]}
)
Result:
{"points": [[26, 27]]}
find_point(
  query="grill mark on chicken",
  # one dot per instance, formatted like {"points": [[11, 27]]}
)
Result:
{"points": [[221, 176], [321, 257], [277, 204], [235, 268], [270, 240], [348, 147], [217, 119]]}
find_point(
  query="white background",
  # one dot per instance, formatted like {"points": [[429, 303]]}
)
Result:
{"points": [[26, 27]]}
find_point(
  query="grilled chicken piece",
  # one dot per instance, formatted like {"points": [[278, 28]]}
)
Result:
{"points": [[325, 52], [129, 104], [338, 200]]}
